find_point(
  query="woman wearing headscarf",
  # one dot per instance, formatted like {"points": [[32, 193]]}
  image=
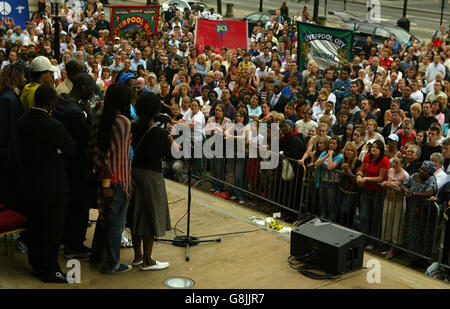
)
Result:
{"points": [[419, 230]]}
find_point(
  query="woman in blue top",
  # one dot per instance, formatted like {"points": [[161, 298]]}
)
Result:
{"points": [[254, 109], [200, 66], [327, 162]]}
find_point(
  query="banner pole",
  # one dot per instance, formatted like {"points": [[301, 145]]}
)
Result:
{"points": [[246, 32]]}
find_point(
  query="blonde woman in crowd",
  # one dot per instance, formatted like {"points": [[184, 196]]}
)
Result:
{"points": [[153, 84]]}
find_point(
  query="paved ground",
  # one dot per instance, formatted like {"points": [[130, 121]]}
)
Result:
{"points": [[256, 259]]}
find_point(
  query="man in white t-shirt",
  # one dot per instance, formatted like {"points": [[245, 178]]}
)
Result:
{"points": [[417, 94]]}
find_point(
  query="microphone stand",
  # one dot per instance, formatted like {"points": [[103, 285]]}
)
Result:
{"points": [[188, 240]]}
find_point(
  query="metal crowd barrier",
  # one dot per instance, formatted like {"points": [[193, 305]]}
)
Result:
{"points": [[444, 240], [413, 225], [256, 184]]}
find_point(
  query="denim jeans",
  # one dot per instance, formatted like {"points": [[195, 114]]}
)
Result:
{"points": [[218, 171], [348, 204], [240, 177], [371, 212], [197, 168], [113, 224], [328, 200]]}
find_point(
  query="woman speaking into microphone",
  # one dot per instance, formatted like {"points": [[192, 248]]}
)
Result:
{"points": [[150, 216]]}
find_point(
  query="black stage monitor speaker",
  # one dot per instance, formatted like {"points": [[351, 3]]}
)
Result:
{"points": [[332, 248]]}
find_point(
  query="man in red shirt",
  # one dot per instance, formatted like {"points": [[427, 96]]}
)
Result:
{"points": [[406, 134], [386, 61]]}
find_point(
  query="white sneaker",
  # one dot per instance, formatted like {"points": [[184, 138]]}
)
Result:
{"points": [[370, 247], [157, 266], [241, 202]]}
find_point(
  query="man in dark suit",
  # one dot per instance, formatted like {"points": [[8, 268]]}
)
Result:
{"points": [[74, 112], [277, 100], [43, 140]]}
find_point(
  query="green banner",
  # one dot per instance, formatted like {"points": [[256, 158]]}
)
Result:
{"points": [[126, 21], [324, 45]]}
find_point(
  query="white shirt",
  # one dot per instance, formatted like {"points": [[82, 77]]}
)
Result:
{"points": [[219, 93], [417, 96], [199, 127], [201, 101], [303, 127], [332, 98], [274, 100], [441, 178], [433, 69]]}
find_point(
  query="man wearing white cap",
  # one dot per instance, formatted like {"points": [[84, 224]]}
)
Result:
{"points": [[41, 73]]}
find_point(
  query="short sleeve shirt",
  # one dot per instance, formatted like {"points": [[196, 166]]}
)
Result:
{"points": [[373, 170]]}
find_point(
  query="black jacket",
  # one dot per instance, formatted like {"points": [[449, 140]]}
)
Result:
{"points": [[11, 110], [77, 124], [387, 130], [413, 167], [44, 169], [280, 104], [294, 146]]}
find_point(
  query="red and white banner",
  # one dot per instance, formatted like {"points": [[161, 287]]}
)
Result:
{"points": [[220, 33]]}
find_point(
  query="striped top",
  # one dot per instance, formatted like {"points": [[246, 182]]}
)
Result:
{"points": [[118, 155]]}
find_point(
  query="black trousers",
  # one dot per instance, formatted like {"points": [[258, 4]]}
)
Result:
{"points": [[76, 220], [45, 229], [77, 214]]}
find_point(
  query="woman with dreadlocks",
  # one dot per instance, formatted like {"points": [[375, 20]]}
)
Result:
{"points": [[110, 149]]}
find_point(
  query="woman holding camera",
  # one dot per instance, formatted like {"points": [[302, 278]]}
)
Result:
{"points": [[151, 216]]}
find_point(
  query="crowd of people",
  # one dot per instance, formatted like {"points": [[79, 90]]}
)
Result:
{"points": [[83, 131]]}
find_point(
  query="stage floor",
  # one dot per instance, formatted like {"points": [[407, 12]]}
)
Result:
{"points": [[253, 260]]}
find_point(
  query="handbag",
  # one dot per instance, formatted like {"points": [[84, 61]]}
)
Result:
{"points": [[287, 171]]}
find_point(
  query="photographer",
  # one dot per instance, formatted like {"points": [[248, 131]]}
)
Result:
{"points": [[151, 216]]}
